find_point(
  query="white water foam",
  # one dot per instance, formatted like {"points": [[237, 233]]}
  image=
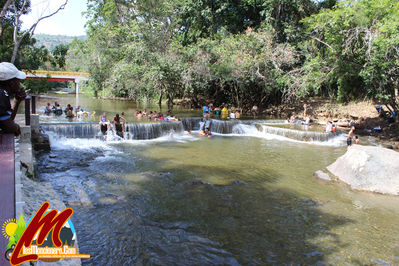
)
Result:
{"points": [[243, 130], [171, 137], [62, 143]]}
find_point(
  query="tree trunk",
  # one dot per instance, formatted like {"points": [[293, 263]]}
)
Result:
{"points": [[160, 100], [15, 50]]}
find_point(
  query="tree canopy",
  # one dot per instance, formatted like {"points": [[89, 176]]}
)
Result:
{"points": [[236, 52]]}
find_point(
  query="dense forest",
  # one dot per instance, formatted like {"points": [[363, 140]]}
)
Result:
{"points": [[243, 53]]}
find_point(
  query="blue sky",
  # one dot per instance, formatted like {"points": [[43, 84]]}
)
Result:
{"points": [[68, 21]]}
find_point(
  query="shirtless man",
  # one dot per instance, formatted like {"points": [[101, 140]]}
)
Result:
{"points": [[255, 111], [118, 125], [350, 136], [237, 114]]}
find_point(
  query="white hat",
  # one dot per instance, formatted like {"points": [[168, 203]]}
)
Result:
{"points": [[9, 71]]}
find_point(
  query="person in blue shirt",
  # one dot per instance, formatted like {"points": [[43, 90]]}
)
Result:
{"points": [[205, 110], [10, 78]]}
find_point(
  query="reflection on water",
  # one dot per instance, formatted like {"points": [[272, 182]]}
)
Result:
{"points": [[227, 200]]}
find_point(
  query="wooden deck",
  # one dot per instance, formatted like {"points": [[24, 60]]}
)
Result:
{"points": [[7, 186]]}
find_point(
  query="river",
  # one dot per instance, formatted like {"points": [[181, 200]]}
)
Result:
{"points": [[237, 199]]}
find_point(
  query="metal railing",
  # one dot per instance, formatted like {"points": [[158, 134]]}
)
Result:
{"points": [[57, 73]]}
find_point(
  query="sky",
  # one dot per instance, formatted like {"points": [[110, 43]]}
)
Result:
{"points": [[68, 21]]}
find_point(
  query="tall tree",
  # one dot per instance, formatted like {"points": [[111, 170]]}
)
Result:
{"points": [[18, 36]]}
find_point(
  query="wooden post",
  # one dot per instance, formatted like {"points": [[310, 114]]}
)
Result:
{"points": [[33, 104], [77, 91], [27, 111]]}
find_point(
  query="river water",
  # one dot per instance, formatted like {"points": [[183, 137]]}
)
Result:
{"points": [[236, 199]]}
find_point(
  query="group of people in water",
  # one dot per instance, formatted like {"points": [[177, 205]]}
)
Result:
{"points": [[69, 111], [223, 112], [155, 116], [119, 122]]}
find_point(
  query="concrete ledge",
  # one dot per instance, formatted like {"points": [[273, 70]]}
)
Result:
{"points": [[26, 135], [19, 209]]}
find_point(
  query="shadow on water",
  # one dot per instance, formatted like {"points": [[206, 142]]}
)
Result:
{"points": [[168, 217]]}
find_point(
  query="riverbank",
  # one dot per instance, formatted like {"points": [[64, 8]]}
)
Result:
{"points": [[363, 114]]}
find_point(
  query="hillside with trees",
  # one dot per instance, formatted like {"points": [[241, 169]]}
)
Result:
{"points": [[52, 41]]}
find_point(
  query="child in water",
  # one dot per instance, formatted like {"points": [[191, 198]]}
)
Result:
{"points": [[208, 133]]}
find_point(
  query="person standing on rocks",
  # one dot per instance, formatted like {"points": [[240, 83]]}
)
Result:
{"points": [[255, 111], [350, 136], [10, 78]]}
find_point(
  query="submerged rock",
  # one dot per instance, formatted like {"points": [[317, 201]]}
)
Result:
{"points": [[323, 176], [368, 168]]}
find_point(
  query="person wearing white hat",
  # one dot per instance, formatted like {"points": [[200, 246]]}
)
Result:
{"points": [[10, 78]]}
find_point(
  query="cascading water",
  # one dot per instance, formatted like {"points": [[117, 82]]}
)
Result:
{"points": [[132, 131], [142, 131], [191, 123], [295, 134]]}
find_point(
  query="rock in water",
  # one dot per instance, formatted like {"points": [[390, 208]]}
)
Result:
{"points": [[368, 168], [323, 176]]}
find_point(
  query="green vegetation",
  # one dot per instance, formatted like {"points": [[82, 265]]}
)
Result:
{"points": [[241, 53], [21, 48]]}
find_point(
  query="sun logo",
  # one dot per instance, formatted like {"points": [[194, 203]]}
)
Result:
{"points": [[9, 227]]}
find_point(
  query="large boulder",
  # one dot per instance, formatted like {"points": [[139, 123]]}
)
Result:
{"points": [[368, 168]]}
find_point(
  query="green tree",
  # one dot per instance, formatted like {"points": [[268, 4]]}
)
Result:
{"points": [[58, 55]]}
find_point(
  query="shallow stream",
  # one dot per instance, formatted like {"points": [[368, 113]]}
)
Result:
{"points": [[248, 199]]}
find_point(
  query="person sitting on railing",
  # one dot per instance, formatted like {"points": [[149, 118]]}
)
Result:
{"points": [[10, 78]]}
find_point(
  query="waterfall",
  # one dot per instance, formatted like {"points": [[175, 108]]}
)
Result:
{"points": [[191, 123], [224, 126], [72, 130], [159, 129], [153, 130], [295, 134], [132, 130]]}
